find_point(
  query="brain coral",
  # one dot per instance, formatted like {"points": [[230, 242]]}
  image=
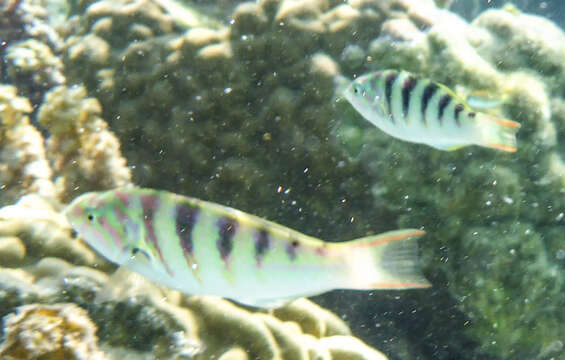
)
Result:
{"points": [[50, 332], [23, 166], [84, 152]]}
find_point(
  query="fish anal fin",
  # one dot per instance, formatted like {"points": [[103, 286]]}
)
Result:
{"points": [[448, 147], [501, 147]]}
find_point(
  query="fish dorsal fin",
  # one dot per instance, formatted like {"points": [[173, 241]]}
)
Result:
{"points": [[447, 147], [457, 98]]}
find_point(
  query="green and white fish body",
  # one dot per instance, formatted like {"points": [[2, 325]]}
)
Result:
{"points": [[203, 248], [419, 110]]}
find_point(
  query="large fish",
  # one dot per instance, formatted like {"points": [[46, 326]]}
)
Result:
{"points": [[418, 110], [203, 248]]}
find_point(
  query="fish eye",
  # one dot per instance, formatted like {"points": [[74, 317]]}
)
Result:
{"points": [[90, 217], [135, 250], [356, 89]]}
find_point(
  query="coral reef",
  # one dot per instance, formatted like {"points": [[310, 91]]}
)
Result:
{"points": [[267, 337], [80, 146], [61, 331], [550, 9], [245, 115], [11, 26], [23, 166], [84, 154], [24, 20], [33, 68]]}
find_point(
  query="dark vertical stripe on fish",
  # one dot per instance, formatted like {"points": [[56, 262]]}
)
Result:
{"points": [[374, 82], [124, 197], [456, 112], [185, 219], [150, 204], [226, 228], [443, 103], [262, 244], [389, 81], [407, 87], [110, 230], [291, 249], [429, 91]]}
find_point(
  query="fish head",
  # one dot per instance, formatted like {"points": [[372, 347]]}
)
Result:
{"points": [[105, 223], [366, 96]]}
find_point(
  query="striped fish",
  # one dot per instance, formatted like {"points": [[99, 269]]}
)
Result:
{"points": [[203, 248], [422, 111]]}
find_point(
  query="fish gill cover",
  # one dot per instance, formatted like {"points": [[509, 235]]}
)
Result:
{"points": [[243, 111]]}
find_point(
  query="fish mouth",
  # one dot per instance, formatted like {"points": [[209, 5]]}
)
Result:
{"points": [[347, 92]]}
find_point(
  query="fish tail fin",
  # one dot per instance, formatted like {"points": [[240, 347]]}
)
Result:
{"points": [[385, 261], [498, 133]]}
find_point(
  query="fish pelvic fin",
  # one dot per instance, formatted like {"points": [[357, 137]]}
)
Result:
{"points": [[497, 133], [385, 261]]}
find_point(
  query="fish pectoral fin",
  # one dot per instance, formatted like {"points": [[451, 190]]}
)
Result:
{"points": [[267, 303]]}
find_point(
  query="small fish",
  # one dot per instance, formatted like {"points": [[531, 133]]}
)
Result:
{"points": [[421, 111], [203, 248]]}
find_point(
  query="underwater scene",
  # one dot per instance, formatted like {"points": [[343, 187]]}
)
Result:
{"points": [[282, 179]]}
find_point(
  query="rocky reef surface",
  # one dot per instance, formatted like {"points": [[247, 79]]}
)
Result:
{"points": [[550, 9], [247, 113]]}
